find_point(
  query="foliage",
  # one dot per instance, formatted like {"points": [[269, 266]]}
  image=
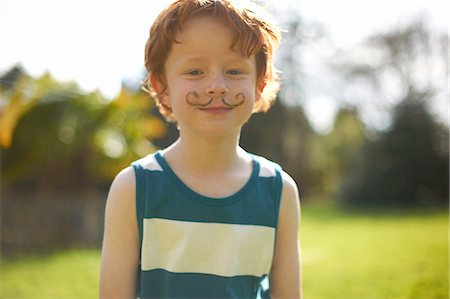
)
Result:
{"points": [[406, 63], [21, 93], [55, 137], [127, 132], [331, 154], [407, 162], [408, 165]]}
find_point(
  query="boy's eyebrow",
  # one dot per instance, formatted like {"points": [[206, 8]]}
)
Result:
{"points": [[194, 59]]}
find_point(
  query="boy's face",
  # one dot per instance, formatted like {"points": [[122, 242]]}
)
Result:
{"points": [[210, 87]]}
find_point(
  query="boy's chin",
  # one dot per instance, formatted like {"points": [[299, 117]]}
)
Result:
{"points": [[213, 129]]}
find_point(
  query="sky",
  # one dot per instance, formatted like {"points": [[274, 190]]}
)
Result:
{"points": [[100, 43]]}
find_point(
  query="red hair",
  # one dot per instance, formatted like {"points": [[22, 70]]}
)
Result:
{"points": [[253, 35]]}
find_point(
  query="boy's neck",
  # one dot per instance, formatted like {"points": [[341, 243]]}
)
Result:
{"points": [[211, 155]]}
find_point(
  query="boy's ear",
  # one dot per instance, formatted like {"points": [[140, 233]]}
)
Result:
{"points": [[260, 90], [154, 83], [158, 87], [261, 86]]}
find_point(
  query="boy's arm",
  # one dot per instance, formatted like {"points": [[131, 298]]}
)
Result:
{"points": [[285, 273], [120, 251]]}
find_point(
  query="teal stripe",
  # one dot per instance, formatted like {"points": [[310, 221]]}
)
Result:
{"points": [[140, 209], [160, 284], [140, 194], [278, 192], [168, 202]]}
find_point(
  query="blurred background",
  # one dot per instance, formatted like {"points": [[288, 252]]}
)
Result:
{"points": [[361, 123]]}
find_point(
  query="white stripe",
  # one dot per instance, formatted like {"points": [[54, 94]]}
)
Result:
{"points": [[209, 248], [149, 162], [267, 168]]}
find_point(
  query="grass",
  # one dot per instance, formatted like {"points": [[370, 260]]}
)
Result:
{"points": [[391, 256], [345, 256], [68, 274]]}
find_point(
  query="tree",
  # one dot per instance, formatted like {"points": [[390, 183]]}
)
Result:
{"points": [[331, 154], [406, 161], [408, 63], [69, 140], [406, 166], [60, 149]]}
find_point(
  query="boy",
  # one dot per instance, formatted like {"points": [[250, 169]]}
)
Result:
{"points": [[203, 218]]}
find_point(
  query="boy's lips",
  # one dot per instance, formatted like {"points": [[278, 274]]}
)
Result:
{"points": [[216, 109]]}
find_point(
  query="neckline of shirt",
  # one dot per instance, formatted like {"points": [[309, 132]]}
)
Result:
{"points": [[191, 194]]}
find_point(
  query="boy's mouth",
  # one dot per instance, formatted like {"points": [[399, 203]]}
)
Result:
{"points": [[216, 109]]}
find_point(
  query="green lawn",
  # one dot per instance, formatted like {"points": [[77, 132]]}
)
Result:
{"points": [[71, 274], [344, 256], [350, 256]]}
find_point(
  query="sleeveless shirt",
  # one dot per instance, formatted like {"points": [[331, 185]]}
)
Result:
{"points": [[193, 246]]}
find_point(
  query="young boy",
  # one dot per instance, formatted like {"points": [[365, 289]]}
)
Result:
{"points": [[203, 218]]}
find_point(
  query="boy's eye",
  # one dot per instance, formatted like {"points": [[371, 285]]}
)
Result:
{"points": [[234, 72], [194, 72]]}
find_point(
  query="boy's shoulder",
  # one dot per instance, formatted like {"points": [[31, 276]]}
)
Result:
{"points": [[124, 184]]}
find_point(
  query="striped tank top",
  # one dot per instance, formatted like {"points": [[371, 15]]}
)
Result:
{"points": [[192, 246]]}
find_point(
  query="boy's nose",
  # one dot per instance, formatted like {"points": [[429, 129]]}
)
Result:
{"points": [[216, 88]]}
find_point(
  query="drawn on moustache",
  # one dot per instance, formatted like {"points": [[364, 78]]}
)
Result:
{"points": [[193, 99]]}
